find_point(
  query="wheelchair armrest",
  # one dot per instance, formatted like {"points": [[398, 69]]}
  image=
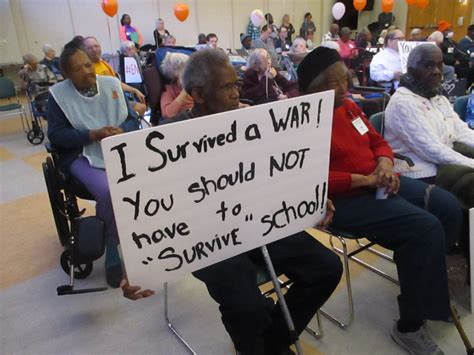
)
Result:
{"points": [[50, 148], [404, 158]]}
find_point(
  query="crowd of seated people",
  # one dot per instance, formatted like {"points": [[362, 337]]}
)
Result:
{"points": [[420, 232]]}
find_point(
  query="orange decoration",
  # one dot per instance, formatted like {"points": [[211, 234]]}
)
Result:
{"points": [[359, 5], [110, 7], [387, 6], [181, 11], [422, 4]]}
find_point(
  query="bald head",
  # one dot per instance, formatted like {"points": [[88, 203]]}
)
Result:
{"points": [[334, 29]]}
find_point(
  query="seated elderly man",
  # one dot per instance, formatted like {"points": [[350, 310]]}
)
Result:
{"points": [[416, 35], [262, 83], [333, 34], [421, 124], [83, 110], [255, 325], [129, 49], [34, 76], [51, 61], [361, 162], [174, 99], [92, 47], [448, 71], [169, 41], [386, 66]]}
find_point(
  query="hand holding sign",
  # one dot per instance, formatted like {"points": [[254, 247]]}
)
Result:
{"points": [[213, 199]]}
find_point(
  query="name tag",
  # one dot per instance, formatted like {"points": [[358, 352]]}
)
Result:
{"points": [[359, 125], [451, 50]]}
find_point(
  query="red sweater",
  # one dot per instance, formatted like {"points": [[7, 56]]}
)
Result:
{"points": [[352, 153]]}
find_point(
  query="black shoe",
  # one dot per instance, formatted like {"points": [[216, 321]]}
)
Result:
{"points": [[114, 275], [278, 349]]}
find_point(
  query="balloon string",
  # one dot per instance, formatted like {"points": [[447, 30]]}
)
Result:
{"points": [[110, 36]]}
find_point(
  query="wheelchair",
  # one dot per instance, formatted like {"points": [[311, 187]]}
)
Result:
{"points": [[38, 107], [82, 237]]}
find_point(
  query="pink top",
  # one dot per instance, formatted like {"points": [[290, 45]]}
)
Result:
{"points": [[169, 106], [346, 48]]}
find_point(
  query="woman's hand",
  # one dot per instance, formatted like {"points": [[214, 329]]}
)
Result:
{"points": [[101, 133], [133, 292], [384, 172], [139, 96], [330, 209], [271, 73]]}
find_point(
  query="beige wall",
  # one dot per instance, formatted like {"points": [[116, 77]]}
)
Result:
{"points": [[35, 22], [399, 11]]}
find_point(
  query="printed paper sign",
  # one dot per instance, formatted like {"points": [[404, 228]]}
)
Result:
{"points": [[131, 70], [190, 194], [404, 48]]}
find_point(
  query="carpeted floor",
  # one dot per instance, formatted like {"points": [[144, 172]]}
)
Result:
{"points": [[34, 320]]}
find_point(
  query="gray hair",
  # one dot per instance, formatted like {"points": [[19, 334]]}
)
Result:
{"points": [[296, 42], [28, 58], [418, 53], [173, 65], [391, 34], [126, 45], [415, 31], [364, 31], [255, 55], [46, 48], [436, 37], [201, 68]]}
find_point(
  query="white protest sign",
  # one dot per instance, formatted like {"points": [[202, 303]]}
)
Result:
{"points": [[404, 48], [189, 194], [131, 70]]}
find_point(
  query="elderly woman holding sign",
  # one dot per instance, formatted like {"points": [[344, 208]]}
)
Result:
{"points": [[396, 217], [83, 110]]}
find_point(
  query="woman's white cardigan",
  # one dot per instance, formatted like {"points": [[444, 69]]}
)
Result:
{"points": [[425, 130]]}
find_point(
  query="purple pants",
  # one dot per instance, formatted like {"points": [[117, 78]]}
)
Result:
{"points": [[95, 181]]}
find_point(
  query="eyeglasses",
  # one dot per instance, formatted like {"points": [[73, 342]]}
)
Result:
{"points": [[398, 38]]}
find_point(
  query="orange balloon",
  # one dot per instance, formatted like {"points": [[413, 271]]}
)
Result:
{"points": [[411, 2], [387, 6], [181, 11], [110, 7], [422, 4], [359, 5]]}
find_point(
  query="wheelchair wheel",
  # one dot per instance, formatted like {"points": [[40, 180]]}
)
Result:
{"points": [[35, 135], [57, 201], [81, 270]]}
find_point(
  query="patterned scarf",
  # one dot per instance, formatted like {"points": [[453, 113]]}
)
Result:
{"points": [[414, 85]]}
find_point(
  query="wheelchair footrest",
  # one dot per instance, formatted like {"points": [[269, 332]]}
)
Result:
{"points": [[69, 290]]}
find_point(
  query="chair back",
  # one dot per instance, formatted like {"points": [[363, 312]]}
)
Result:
{"points": [[460, 105], [154, 87], [377, 121], [7, 89]]}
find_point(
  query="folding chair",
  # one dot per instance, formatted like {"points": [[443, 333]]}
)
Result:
{"points": [[264, 275], [8, 91], [460, 105]]}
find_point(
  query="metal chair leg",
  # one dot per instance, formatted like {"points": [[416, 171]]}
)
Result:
{"points": [[319, 333], [375, 251], [363, 263], [281, 299], [168, 322], [329, 316]]}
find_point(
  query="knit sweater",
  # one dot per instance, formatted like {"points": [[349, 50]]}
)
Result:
{"points": [[351, 152], [425, 130]]}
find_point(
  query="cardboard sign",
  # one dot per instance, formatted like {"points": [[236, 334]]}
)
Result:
{"points": [[190, 194], [404, 48], [131, 71]]}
